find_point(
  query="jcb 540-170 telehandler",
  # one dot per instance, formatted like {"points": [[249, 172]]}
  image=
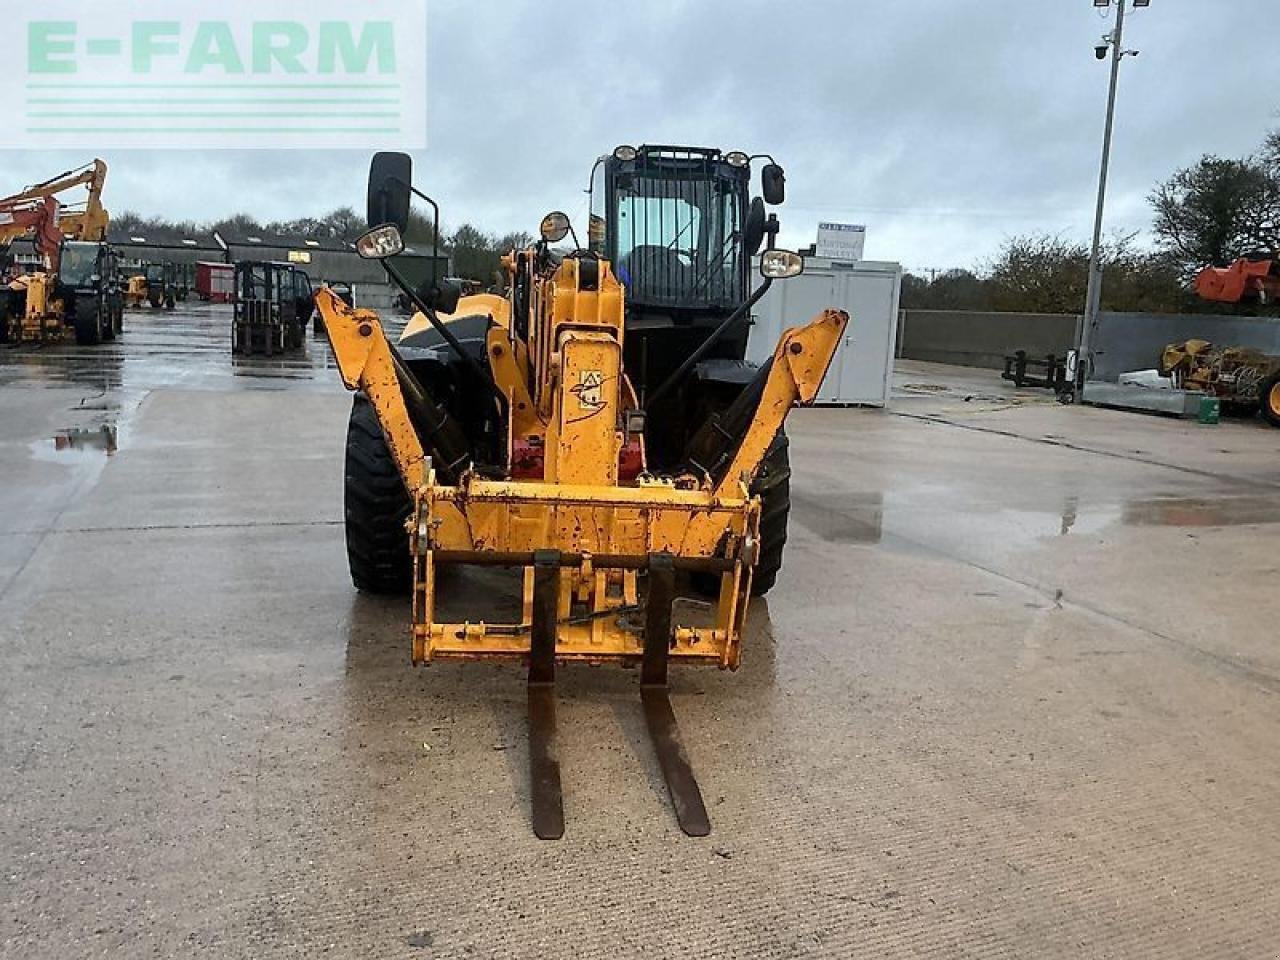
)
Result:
{"points": [[595, 430]]}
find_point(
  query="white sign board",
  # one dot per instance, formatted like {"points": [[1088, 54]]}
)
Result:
{"points": [[841, 241]]}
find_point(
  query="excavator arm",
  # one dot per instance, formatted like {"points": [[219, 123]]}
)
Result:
{"points": [[37, 218], [84, 220]]}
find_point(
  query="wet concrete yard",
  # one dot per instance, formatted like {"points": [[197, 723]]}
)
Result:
{"points": [[1017, 694]]}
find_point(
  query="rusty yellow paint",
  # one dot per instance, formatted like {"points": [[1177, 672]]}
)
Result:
{"points": [[44, 320], [567, 387], [365, 363], [479, 304], [800, 363], [510, 364]]}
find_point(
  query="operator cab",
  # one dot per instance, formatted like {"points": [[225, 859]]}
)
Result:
{"points": [[84, 264], [680, 228]]}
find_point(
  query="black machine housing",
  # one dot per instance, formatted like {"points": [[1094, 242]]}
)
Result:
{"points": [[89, 286]]}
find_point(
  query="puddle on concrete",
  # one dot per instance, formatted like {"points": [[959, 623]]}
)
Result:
{"points": [[101, 439], [1201, 512], [850, 518]]}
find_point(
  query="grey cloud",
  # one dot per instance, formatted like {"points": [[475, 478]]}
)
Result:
{"points": [[945, 126]]}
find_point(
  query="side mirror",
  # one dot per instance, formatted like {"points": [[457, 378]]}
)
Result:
{"points": [[781, 264], [753, 229], [774, 184], [390, 175], [555, 227]]}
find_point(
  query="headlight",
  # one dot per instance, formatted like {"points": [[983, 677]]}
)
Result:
{"points": [[781, 264], [381, 243], [737, 159], [624, 153]]}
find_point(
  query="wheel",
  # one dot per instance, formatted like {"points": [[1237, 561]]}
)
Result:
{"points": [[169, 302], [376, 508], [773, 486], [155, 298], [88, 323], [1269, 395]]}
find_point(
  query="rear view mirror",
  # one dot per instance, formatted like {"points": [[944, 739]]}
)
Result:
{"points": [[774, 184], [754, 229], [390, 175]]}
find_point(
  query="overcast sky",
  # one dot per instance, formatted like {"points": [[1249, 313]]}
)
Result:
{"points": [[944, 125]]}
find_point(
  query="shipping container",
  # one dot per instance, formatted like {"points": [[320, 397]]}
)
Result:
{"points": [[215, 281]]}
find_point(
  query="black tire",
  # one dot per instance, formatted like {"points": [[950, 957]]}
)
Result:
{"points": [[1269, 395], [376, 509], [155, 298], [88, 323], [169, 302], [774, 487]]}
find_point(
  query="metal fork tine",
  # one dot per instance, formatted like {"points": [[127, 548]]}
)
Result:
{"points": [[691, 812], [545, 796]]}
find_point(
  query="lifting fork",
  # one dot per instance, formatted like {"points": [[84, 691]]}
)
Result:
{"points": [[546, 796]]}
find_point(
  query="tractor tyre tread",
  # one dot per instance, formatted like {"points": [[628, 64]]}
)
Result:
{"points": [[88, 325], [376, 508]]}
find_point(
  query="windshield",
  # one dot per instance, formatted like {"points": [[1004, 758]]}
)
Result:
{"points": [[79, 263], [678, 240]]}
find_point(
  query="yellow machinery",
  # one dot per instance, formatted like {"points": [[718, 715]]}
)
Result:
{"points": [[138, 291], [560, 484], [46, 303]]}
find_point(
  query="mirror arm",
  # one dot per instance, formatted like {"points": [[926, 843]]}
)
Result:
{"points": [[665, 387], [485, 376]]}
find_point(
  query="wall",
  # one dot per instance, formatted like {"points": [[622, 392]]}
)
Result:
{"points": [[1134, 341], [983, 339]]}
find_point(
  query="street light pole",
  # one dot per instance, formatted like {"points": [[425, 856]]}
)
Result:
{"points": [[1094, 294]]}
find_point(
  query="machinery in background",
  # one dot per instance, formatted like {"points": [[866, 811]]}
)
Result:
{"points": [[1245, 281], [1245, 381], [1046, 373], [274, 303], [78, 286], [159, 283], [596, 431]]}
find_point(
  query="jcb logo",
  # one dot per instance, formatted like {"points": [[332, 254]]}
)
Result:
{"points": [[590, 389]]}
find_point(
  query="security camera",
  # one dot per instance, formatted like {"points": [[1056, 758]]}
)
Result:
{"points": [[1100, 51]]}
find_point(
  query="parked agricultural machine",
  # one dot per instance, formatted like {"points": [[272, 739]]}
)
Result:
{"points": [[77, 286], [595, 431], [274, 304]]}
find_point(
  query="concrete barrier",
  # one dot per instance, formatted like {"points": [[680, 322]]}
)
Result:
{"points": [[983, 339], [1134, 341]]}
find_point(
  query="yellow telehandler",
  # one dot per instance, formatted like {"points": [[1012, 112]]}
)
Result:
{"points": [[595, 430]]}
